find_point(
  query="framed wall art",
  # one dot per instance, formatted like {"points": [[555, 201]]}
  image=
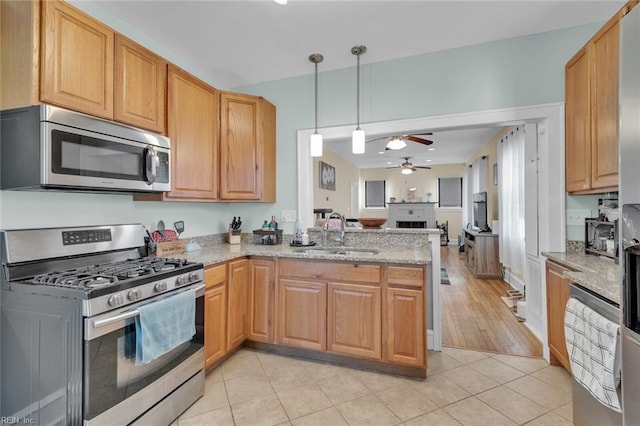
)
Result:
{"points": [[327, 176]]}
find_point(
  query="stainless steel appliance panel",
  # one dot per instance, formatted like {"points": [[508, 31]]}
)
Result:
{"points": [[586, 409], [629, 143]]}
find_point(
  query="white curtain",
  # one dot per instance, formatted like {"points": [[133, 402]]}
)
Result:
{"points": [[511, 200]]}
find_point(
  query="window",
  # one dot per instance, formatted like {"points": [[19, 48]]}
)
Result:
{"points": [[450, 192], [375, 193]]}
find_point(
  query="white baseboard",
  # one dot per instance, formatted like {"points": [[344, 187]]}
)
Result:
{"points": [[513, 281]]}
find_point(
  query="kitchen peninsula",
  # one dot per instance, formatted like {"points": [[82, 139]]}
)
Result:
{"points": [[339, 305]]}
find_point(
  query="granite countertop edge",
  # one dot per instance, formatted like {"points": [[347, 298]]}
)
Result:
{"points": [[602, 276], [210, 255]]}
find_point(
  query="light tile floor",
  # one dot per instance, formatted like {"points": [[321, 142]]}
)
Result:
{"points": [[462, 388]]}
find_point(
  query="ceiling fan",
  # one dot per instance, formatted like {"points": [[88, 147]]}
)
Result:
{"points": [[399, 141], [407, 167]]}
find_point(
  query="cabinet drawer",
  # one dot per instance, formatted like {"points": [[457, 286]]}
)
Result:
{"points": [[215, 275], [340, 271], [405, 276]]}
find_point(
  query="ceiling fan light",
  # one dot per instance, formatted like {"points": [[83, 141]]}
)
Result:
{"points": [[396, 143], [357, 141], [406, 171], [315, 145]]}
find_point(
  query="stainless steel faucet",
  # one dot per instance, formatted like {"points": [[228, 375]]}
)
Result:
{"points": [[325, 229]]}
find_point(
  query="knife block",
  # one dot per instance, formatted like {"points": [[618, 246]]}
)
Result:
{"points": [[235, 236]]}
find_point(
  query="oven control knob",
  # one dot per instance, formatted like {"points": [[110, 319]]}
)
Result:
{"points": [[193, 276], [116, 300], [134, 295], [182, 280], [160, 287]]}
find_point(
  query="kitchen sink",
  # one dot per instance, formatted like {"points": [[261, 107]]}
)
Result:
{"points": [[342, 251]]}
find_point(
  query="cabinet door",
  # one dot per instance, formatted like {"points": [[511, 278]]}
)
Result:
{"points": [[302, 314], [215, 319], [604, 106], [261, 295], [578, 122], [240, 147], [77, 60], [140, 86], [354, 320], [193, 128], [405, 327], [237, 303], [215, 314], [557, 298]]}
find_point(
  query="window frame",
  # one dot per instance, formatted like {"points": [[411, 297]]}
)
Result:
{"points": [[461, 198], [384, 194]]}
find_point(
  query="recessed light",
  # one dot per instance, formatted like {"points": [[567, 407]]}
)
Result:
{"points": [[389, 162], [380, 152], [431, 149], [282, 2], [428, 161]]}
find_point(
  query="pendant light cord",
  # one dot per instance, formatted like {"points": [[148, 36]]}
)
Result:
{"points": [[316, 131], [358, 95]]}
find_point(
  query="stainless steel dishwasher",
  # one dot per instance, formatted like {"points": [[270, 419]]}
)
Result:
{"points": [[587, 410]]}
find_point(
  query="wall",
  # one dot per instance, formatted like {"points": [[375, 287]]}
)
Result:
{"points": [[340, 199], [491, 151], [508, 73]]}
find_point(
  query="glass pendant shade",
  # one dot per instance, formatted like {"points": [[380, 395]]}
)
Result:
{"points": [[357, 141], [396, 143], [316, 145], [406, 171]]}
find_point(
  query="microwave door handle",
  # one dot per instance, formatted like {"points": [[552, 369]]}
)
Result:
{"points": [[151, 162]]}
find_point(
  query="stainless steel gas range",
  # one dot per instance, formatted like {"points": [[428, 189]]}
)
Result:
{"points": [[71, 309]]}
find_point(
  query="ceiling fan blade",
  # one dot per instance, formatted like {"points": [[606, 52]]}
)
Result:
{"points": [[422, 134], [423, 167], [378, 139], [393, 167], [418, 140]]}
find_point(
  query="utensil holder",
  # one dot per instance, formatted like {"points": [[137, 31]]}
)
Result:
{"points": [[235, 236]]}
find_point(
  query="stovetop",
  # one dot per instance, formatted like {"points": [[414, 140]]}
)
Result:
{"points": [[108, 274]]}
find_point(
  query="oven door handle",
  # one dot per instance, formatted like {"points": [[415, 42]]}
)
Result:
{"points": [[111, 320], [131, 314]]}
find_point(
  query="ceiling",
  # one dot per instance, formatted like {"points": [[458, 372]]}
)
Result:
{"points": [[242, 42], [449, 147]]}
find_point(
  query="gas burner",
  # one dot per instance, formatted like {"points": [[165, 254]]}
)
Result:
{"points": [[97, 281]]}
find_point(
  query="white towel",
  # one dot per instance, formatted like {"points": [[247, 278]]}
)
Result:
{"points": [[594, 352]]}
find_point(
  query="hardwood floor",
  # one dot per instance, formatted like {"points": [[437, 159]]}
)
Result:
{"points": [[474, 316]]}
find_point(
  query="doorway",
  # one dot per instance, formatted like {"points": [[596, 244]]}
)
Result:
{"points": [[548, 120]]}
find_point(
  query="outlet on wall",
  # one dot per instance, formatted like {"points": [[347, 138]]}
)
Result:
{"points": [[576, 217], [288, 215]]}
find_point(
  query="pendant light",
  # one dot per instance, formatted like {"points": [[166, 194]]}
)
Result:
{"points": [[315, 142], [357, 137]]}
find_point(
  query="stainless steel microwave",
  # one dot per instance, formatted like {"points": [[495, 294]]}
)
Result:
{"points": [[46, 147]]}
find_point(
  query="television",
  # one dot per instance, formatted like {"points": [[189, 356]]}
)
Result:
{"points": [[480, 212]]}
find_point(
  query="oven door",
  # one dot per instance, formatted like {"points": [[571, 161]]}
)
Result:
{"points": [[81, 158], [116, 390]]}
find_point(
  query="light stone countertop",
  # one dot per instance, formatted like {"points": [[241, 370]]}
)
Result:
{"points": [[210, 255], [600, 275]]}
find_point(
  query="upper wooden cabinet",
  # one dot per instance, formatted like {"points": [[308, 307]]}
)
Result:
{"points": [[77, 60], [61, 56], [591, 114], [247, 148], [192, 128], [140, 86]]}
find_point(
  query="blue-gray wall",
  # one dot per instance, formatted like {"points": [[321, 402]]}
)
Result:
{"points": [[509, 73]]}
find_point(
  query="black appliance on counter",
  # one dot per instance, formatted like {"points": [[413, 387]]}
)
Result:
{"points": [[70, 297]]}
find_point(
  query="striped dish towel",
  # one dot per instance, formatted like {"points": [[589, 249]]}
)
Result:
{"points": [[594, 352]]}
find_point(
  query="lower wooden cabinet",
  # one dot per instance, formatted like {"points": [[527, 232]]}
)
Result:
{"points": [[405, 322], [354, 320], [215, 314], [302, 314], [557, 298], [237, 302], [261, 299]]}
